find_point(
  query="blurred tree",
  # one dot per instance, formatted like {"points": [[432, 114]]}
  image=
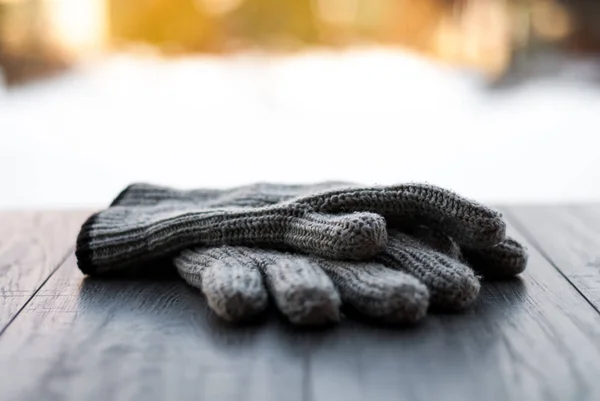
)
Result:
{"points": [[172, 25], [210, 25], [26, 51], [275, 22], [585, 25], [484, 34]]}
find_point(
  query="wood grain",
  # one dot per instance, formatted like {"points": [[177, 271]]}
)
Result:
{"points": [[86, 339], [32, 246], [569, 236], [530, 339]]}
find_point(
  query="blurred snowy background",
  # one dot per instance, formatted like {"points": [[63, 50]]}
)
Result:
{"points": [[372, 114]]}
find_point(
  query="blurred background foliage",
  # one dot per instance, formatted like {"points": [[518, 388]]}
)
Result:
{"points": [[41, 37]]}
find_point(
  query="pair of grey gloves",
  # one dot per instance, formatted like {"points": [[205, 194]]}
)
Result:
{"points": [[389, 252]]}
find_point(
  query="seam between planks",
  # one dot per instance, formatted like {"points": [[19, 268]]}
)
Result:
{"points": [[60, 263], [527, 234], [306, 377]]}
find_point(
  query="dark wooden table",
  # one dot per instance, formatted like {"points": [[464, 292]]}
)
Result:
{"points": [[66, 337]]}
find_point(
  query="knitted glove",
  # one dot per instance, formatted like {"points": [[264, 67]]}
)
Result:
{"points": [[125, 236], [504, 260], [306, 288], [398, 286], [146, 223], [415, 272]]}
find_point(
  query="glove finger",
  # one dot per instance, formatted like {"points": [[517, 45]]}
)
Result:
{"points": [[505, 260], [358, 235], [300, 288], [468, 222], [229, 279], [378, 292], [452, 285], [121, 237]]}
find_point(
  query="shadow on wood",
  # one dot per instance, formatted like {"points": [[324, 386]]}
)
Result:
{"points": [[78, 338]]}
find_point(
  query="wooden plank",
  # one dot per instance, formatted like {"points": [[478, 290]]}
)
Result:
{"points": [[32, 246], [531, 339], [140, 340], [568, 235]]}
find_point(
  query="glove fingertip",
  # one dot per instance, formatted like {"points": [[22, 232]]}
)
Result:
{"points": [[408, 304], [235, 303], [505, 260], [302, 291], [359, 236], [318, 307], [233, 288], [380, 293], [464, 291], [452, 285]]}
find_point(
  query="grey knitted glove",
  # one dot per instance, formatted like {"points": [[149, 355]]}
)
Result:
{"points": [[397, 286], [147, 222], [504, 260], [306, 288], [124, 236]]}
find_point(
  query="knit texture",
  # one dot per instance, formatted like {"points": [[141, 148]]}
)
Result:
{"points": [[147, 222], [466, 221], [435, 237], [121, 237], [301, 291], [452, 285], [504, 260], [398, 286], [233, 288], [306, 289]]}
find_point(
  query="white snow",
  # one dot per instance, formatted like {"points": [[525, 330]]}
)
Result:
{"points": [[370, 116]]}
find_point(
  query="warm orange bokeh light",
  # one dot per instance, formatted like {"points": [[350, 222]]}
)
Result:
{"points": [[480, 34]]}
